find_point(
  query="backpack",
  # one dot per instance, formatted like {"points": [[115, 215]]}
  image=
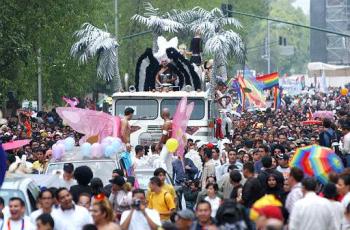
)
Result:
{"points": [[232, 215]]}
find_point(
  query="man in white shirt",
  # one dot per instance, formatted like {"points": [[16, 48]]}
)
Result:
{"points": [[140, 217], [232, 160], [68, 178], [283, 164], [17, 219], [46, 200], [76, 215], [312, 211], [294, 180], [345, 124], [193, 155]]}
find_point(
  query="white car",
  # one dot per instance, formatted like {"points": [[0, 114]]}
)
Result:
{"points": [[20, 186], [101, 168]]}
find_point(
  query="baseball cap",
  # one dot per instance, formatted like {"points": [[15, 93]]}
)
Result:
{"points": [[283, 156], [68, 167], [118, 171], [119, 180], [200, 144], [226, 141], [186, 214], [242, 150]]}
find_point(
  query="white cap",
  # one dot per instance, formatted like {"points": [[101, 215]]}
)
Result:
{"points": [[201, 143], [226, 141]]}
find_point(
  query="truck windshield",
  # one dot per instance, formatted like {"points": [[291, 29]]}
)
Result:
{"points": [[144, 109], [197, 113]]}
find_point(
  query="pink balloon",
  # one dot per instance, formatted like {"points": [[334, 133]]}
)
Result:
{"points": [[96, 150], [57, 151]]}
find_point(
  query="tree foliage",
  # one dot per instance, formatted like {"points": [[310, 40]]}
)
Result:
{"points": [[27, 25]]}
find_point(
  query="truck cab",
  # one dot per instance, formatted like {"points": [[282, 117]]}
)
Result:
{"points": [[147, 122]]}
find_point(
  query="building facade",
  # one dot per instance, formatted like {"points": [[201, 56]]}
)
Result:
{"points": [[333, 15]]}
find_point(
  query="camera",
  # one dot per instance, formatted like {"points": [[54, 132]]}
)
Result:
{"points": [[136, 204]]}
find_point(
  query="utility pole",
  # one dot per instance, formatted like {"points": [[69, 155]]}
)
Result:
{"points": [[40, 96], [116, 81], [116, 18], [268, 48]]}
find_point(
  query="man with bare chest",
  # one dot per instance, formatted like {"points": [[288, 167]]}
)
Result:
{"points": [[166, 134], [125, 129]]}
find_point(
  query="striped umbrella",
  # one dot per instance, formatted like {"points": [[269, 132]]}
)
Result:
{"points": [[323, 161], [301, 160]]}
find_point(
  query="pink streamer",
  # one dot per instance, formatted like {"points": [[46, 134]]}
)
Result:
{"points": [[180, 120]]}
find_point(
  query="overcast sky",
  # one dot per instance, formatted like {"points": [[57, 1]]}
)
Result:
{"points": [[304, 4]]}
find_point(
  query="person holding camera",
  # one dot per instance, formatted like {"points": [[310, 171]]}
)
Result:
{"points": [[139, 217]]}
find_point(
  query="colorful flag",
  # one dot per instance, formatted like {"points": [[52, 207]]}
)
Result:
{"points": [[269, 80], [256, 96], [323, 83], [277, 96]]}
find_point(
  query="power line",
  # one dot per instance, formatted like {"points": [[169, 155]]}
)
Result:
{"points": [[136, 34], [290, 23]]}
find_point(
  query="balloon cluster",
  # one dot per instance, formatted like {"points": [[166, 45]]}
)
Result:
{"points": [[61, 147], [109, 147]]}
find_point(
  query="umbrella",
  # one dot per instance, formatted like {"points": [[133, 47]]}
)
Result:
{"points": [[323, 161], [301, 160], [311, 122], [15, 144], [317, 161], [324, 114]]}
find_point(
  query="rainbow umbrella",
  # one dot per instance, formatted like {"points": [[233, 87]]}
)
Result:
{"points": [[301, 160], [324, 161]]}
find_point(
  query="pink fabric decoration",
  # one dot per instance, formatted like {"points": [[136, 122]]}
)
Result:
{"points": [[90, 122], [71, 102], [180, 120]]}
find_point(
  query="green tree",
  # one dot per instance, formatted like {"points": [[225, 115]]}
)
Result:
{"points": [[296, 37]]}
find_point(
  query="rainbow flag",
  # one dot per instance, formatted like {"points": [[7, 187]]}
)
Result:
{"points": [[269, 80], [277, 97], [256, 96]]}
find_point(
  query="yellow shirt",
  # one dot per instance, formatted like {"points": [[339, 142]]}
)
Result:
{"points": [[161, 202], [167, 188], [38, 166]]}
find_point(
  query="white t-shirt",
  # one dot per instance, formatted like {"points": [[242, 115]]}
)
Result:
{"points": [[75, 218], [139, 221], [58, 222], [215, 204], [217, 162], [67, 184], [17, 225]]}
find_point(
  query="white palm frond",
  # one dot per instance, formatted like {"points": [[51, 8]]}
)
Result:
{"points": [[150, 10], [225, 44], [156, 22], [92, 42]]}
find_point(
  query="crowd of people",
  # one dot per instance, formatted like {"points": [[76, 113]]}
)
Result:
{"points": [[215, 184]]}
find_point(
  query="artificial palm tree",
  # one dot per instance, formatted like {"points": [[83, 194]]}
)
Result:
{"points": [[157, 23], [92, 42], [218, 42]]}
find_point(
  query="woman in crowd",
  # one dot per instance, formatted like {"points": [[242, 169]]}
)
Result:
{"points": [[212, 198], [272, 188], [102, 214], [247, 158]]}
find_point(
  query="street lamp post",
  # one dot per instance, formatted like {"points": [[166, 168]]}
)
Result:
{"points": [[268, 48], [40, 96]]}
